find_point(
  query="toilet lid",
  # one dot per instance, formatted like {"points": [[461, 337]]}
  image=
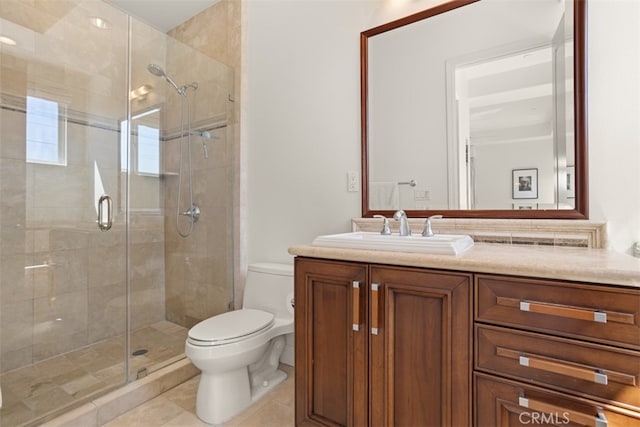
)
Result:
{"points": [[231, 325]]}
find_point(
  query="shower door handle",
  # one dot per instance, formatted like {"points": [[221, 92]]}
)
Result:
{"points": [[103, 224]]}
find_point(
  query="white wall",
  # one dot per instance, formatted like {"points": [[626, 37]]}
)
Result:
{"points": [[494, 163], [302, 125], [614, 118]]}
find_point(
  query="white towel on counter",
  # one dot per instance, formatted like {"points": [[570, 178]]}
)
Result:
{"points": [[384, 196]]}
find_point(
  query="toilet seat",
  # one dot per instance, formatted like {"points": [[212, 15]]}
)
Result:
{"points": [[230, 327]]}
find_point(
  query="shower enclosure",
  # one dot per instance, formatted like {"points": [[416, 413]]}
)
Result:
{"points": [[97, 285]]}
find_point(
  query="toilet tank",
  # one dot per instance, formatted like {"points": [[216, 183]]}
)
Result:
{"points": [[269, 287]]}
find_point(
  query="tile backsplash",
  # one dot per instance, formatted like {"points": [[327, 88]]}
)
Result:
{"points": [[570, 233]]}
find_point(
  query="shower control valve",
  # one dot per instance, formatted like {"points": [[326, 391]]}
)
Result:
{"points": [[193, 212]]}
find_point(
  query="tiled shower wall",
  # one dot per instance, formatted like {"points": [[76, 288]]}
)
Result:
{"points": [[200, 269]]}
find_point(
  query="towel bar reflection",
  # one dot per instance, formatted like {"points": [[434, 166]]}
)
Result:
{"points": [[411, 183]]}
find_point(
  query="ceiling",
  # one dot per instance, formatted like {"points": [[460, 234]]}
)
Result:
{"points": [[163, 15]]}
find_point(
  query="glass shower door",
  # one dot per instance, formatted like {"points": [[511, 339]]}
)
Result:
{"points": [[181, 272], [63, 275], [97, 287]]}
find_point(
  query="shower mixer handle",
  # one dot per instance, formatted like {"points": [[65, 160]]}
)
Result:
{"points": [[193, 212]]}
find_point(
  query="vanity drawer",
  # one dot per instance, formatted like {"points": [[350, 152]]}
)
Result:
{"points": [[591, 370], [508, 403], [609, 315]]}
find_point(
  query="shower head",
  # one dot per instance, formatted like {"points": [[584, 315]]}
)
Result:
{"points": [[157, 70]]}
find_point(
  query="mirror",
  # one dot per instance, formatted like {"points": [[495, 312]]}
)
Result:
{"points": [[476, 108]]}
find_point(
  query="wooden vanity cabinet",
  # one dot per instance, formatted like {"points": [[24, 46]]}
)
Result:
{"points": [[381, 345]]}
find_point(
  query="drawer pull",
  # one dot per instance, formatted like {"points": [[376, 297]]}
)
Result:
{"points": [[597, 376], [569, 312], [575, 370], [355, 296], [600, 317], [374, 308], [583, 419], [600, 377]]}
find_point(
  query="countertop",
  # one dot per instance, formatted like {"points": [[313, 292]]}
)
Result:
{"points": [[564, 263]]}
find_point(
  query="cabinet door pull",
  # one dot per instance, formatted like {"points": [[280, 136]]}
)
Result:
{"points": [[355, 296], [374, 308], [564, 414], [597, 376], [560, 311]]}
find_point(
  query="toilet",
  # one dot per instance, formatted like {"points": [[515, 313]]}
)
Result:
{"points": [[239, 351]]}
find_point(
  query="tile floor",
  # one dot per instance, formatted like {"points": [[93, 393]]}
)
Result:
{"points": [[176, 408], [37, 391]]}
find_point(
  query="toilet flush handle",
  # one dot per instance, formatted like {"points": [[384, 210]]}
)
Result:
{"points": [[290, 302]]}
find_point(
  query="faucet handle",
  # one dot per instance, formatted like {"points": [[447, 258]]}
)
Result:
{"points": [[427, 231], [385, 225]]}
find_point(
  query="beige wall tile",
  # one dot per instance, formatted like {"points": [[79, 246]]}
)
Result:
{"points": [[16, 334]]}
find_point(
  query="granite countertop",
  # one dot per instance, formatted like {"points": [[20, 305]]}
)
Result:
{"points": [[565, 263]]}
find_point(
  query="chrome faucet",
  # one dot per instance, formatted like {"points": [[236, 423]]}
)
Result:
{"points": [[385, 225], [427, 231], [401, 216]]}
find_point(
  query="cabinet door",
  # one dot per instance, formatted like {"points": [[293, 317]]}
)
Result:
{"points": [[331, 359], [420, 354]]}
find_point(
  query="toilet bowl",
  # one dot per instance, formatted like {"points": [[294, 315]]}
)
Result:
{"points": [[239, 351]]}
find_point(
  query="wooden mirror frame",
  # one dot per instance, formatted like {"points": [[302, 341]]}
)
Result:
{"points": [[580, 106]]}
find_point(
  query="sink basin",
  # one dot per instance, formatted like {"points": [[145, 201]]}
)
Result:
{"points": [[442, 244]]}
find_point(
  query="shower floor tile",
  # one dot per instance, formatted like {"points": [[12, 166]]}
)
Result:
{"points": [[45, 388]]}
